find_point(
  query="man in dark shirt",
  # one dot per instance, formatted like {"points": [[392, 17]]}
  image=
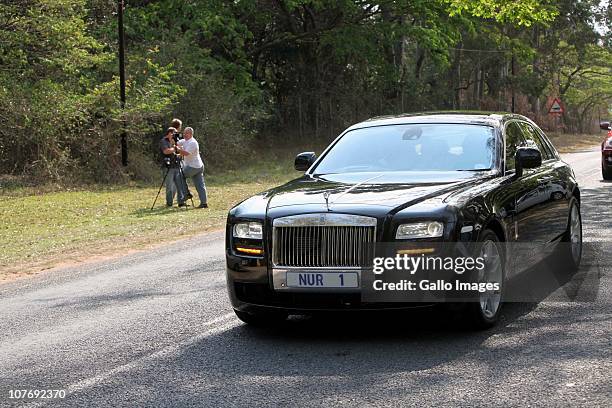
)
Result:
{"points": [[174, 182]]}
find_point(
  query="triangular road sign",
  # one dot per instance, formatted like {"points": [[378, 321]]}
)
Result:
{"points": [[556, 106]]}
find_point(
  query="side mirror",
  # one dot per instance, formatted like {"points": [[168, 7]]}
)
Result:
{"points": [[526, 158], [303, 161], [605, 126]]}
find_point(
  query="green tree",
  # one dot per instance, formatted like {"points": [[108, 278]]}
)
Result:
{"points": [[58, 93]]}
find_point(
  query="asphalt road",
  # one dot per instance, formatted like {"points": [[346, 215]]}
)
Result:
{"points": [[156, 329]]}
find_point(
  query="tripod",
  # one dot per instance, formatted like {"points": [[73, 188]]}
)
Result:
{"points": [[188, 195]]}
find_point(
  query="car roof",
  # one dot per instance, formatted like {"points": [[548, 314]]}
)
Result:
{"points": [[467, 117]]}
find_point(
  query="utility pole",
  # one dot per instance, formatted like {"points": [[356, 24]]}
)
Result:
{"points": [[120, 7], [513, 83]]}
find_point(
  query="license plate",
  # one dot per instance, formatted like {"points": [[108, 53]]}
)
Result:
{"points": [[322, 280]]}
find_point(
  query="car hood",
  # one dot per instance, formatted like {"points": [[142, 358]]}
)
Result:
{"points": [[385, 190]]}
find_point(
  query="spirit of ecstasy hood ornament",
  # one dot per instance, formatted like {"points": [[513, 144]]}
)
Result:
{"points": [[327, 193]]}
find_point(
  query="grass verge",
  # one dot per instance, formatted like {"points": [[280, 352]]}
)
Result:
{"points": [[41, 229], [567, 143]]}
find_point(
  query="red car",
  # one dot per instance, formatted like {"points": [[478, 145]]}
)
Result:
{"points": [[606, 152]]}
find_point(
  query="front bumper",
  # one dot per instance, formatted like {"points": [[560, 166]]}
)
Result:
{"points": [[251, 289], [256, 297]]}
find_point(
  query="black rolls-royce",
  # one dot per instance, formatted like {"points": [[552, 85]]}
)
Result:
{"points": [[437, 177]]}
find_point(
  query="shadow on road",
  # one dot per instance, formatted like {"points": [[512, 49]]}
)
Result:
{"points": [[355, 355]]}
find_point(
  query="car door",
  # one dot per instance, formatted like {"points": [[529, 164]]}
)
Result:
{"points": [[530, 199], [553, 214]]}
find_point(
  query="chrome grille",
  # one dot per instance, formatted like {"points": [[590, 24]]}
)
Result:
{"points": [[327, 240]]}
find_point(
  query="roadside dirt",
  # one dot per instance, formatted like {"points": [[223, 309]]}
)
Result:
{"points": [[104, 251], [566, 143]]}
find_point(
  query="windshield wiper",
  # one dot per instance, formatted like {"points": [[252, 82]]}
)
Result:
{"points": [[473, 170]]}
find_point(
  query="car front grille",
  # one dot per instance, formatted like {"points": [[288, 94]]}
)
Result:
{"points": [[323, 241]]}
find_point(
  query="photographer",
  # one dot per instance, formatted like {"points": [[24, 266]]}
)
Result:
{"points": [[193, 166], [178, 125], [172, 163]]}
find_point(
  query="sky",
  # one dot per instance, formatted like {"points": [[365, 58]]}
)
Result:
{"points": [[601, 28]]}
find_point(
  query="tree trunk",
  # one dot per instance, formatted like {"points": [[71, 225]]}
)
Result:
{"points": [[300, 117]]}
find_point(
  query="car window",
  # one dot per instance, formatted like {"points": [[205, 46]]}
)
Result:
{"points": [[514, 139], [531, 136], [547, 142], [412, 147]]}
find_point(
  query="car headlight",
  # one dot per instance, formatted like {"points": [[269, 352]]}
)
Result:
{"points": [[608, 144], [428, 229], [249, 230]]}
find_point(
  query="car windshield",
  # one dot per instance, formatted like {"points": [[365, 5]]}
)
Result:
{"points": [[413, 147]]}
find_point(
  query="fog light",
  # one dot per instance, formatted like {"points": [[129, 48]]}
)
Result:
{"points": [[250, 251], [416, 251]]}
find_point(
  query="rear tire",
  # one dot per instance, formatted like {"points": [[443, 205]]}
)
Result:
{"points": [[261, 319]]}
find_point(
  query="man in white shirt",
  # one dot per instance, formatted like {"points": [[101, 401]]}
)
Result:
{"points": [[193, 167]]}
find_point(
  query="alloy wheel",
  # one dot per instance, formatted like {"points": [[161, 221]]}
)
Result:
{"points": [[575, 234], [492, 272]]}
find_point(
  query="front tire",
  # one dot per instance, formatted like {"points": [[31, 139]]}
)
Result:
{"points": [[485, 311], [261, 319], [571, 245], [606, 172]]}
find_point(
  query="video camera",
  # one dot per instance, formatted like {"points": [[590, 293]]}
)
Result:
{"points": [[168, 162], [177, 136], [175, 159]]}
